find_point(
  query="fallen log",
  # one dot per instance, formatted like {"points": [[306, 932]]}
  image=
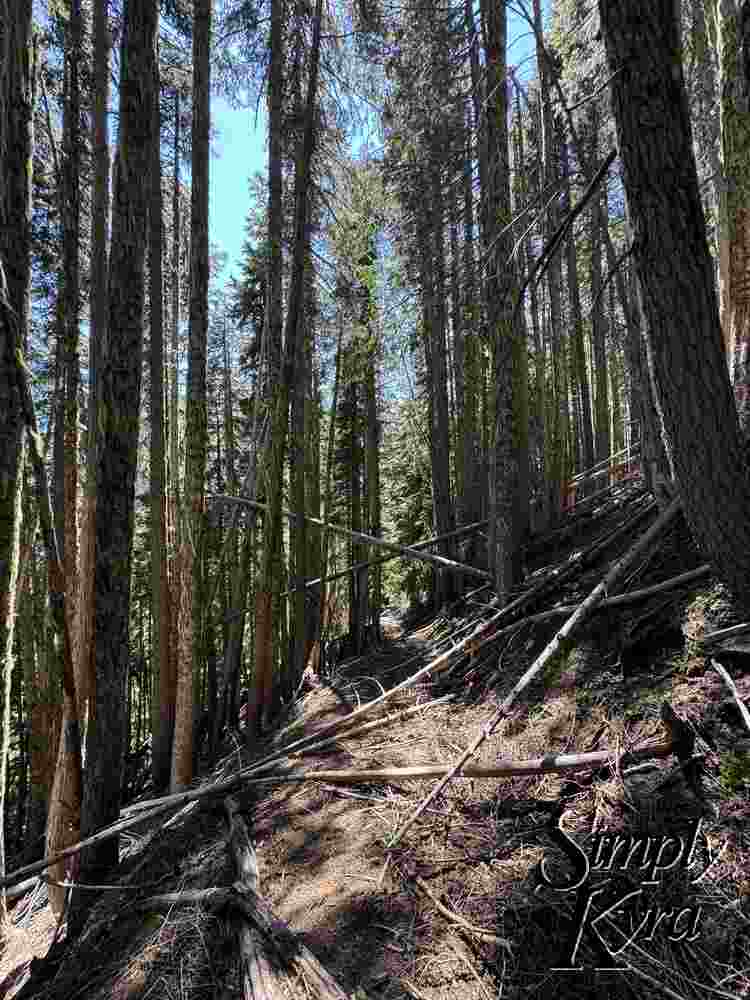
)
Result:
{"points": [[287, 944], [258, 978], [561, 644]]}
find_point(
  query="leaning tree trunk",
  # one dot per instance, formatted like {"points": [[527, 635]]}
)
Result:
{"points": [[699, 421]]}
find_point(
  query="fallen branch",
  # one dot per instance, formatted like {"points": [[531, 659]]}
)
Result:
{"points": [[417, 546], [726, 677], [456, 918], [726, 633], [549, 763], [620, 600], [572, 565], [402, 550], [367, 727], [561, 644]]}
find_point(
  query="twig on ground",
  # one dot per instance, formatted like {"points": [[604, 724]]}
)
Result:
{"points": [[462, 957], [456, 918]]}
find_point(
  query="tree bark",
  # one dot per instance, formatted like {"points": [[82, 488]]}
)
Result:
{"points": [[699, 421], [509, 502], [161, 718], [17, 74], [196, 420], [733, 21], [85, 679], [118, 455], [261, 707]]}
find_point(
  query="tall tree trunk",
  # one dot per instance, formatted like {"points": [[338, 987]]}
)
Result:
{"points": [[264, 624], [162, 718], [97, 343], [539, 514], [260, 707], [685, 352], [161, 760], [353, 423], [556, 441], [17, 73], [458, 342], [120, 397], [472, 485], [325, 595], [478, 91], [509, 505], [312, 425], [297, 463], [71, 284], [598, 328], [64, 819], [440, 426], [580, 377], [196, 422], [372, 466]]}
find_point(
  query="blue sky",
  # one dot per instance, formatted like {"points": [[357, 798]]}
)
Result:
{"points": [[239, 152]]}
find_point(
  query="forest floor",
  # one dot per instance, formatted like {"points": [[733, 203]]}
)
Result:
{"points": [[461, 907]]}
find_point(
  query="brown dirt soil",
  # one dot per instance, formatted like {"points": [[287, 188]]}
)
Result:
{"points": [[461, 908]]}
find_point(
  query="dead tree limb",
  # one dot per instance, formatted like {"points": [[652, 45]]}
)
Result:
{"points": [[467, 529], [556, 576], [549, 763], [726, 677], [402, 550], [560, 645], [725, 633], [620, 600]]}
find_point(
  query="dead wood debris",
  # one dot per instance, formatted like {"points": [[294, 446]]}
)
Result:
{"points": [[559, 645]]}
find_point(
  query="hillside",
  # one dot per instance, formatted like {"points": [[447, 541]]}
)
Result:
{"points": [[461, 905]]}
